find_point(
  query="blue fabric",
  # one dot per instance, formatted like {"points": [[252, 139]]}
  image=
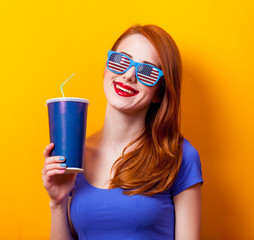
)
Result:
{"points": [[99, 214]]}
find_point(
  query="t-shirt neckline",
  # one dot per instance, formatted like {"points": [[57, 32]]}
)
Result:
{"points": [[93, 187]]}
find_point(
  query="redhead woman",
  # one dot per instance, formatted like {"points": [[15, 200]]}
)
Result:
{"points": [[142, 179]]}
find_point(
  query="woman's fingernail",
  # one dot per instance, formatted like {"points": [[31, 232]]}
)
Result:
{"points": [[63, 165], [61, 158]]}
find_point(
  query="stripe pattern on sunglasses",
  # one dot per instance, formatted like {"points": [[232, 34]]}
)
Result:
{"points": [[118, 62], [148, 74]]}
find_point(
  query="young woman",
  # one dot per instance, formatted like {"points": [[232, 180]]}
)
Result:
{"points": [[141, 179]]}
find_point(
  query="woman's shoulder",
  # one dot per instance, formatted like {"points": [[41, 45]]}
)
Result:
{"points": [[93, 137], [190, 157], [189, 151], [190, 171], [92, 142]]}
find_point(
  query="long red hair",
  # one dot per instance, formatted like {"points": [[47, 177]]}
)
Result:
{"points": [[153, 165]]}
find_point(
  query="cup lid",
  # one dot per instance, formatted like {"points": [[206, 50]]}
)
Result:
{"points": [[67, 99]]}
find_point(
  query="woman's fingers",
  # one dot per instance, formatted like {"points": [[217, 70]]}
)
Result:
{"points": [[50, 170], [47, 178], [48, 149], [53, 163], [49, 174], [57, 184], [54, 159], [59, 166]]}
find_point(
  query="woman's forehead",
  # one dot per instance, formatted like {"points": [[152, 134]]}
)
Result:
{"points": [[139, 48]]}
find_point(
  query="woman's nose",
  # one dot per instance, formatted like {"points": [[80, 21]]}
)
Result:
{"points": [[130, 75]]}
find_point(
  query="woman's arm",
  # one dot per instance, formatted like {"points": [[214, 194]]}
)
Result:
{"points": [[60, 227], [188, 213], [58, 186]]}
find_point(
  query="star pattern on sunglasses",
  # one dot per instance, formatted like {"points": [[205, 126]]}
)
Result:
{"points": [[145, 73], [118, 62]]}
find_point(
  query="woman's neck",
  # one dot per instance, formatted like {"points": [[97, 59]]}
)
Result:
{"points": [[121, 128]]}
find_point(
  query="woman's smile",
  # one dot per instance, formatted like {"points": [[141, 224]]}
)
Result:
{"points": [[124, 90], [138, 167]]}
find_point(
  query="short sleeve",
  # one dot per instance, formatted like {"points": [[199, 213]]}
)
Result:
{"points": [[190, 172]]}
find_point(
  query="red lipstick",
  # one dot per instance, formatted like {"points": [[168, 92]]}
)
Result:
{"points": [[124, 90]]}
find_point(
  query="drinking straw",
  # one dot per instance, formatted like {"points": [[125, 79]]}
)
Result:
{"points": [[65, 82]]}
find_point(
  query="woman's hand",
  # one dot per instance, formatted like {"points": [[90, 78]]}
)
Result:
{"points": [[57, 184]]}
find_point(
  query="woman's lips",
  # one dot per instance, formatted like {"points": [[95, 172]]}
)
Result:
{"points": [[124, 90]]}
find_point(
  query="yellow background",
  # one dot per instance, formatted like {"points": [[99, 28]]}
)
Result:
{"points": [[44, 42]]}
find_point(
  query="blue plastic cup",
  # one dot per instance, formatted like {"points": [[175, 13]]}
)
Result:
{"points": [[67, 126]]}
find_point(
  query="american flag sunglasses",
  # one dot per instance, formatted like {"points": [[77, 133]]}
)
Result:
{"points": [[120, 63]]}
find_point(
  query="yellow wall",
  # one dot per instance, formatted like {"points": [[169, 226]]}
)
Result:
{"points": [[44, 42]]}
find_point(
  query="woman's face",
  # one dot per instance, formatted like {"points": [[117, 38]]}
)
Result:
{"points": [[123, 91]]}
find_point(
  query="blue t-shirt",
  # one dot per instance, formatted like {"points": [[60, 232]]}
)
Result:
{"points": [[99, 214]]}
